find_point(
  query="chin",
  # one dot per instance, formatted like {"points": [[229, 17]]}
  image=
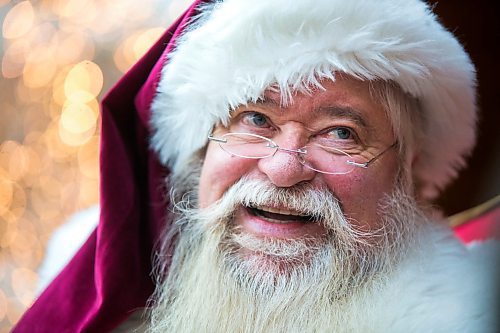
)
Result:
{"points": [[277, 254]]}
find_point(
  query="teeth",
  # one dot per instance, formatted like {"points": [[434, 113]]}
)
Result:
{"points": [[279, 211]]}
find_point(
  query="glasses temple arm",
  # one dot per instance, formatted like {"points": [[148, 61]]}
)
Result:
{"points": [[367, 164], [380, 154], [212, 138]]}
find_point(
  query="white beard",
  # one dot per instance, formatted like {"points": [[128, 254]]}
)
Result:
{"points": [[222, 280]]}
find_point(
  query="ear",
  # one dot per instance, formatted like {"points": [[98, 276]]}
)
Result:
{"points": [[409, 159], [414, 160]]}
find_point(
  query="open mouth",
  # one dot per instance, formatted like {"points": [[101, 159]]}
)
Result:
{"points": [[279, 215]]}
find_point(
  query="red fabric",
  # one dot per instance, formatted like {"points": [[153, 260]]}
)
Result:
{"points": [[486, 226], [110, 276]]}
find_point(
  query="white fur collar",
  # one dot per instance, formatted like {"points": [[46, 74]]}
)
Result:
{"points": [[442, 287]]}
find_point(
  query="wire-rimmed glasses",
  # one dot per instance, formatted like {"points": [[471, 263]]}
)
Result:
{"points": [[323, 159]]}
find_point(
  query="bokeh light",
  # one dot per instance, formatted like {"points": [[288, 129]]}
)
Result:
{"points": [[58, 58], [83, 82], [18, 21]]}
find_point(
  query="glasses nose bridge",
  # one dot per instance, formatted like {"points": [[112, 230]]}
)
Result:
{"points": [[288, 169], [297, 152]]}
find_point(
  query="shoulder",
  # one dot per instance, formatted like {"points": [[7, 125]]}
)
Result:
{"points": [[445, 286]]}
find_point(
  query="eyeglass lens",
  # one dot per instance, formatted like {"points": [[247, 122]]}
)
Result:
{"points": [[327, 160]]}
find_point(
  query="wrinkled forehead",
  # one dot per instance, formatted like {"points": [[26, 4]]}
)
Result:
{"points": [[345, 95], [341, 88]]}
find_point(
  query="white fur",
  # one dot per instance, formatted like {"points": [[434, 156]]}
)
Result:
{"points": [[442, 287], [231, 55]]}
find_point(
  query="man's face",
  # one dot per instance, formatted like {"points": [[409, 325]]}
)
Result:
{"points": [[344, 109], [244, 253]]}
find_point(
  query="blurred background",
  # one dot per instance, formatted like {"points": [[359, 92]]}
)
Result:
{"points": [[58, 58]]}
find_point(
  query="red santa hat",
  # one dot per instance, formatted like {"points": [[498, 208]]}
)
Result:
{"points": [[239, 48]]}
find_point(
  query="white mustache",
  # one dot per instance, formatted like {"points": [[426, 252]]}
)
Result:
{"points": [[303, 199]]}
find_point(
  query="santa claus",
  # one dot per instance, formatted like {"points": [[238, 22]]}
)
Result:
{"points": [[269, 167]]}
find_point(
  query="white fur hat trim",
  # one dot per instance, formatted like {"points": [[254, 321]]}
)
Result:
{"points": [[239, 48]]}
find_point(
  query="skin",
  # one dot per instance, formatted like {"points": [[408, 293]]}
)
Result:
{"points": [[291, 127]]}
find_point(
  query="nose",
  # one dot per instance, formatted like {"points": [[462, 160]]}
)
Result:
{"points": [[283, 169]]}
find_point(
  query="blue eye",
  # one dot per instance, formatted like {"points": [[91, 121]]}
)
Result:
{"points": [[342, 133], [256, 119]]}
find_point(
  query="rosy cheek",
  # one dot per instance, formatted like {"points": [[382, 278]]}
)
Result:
{"points": [[220, 171], [347, 188], [359, 194]]}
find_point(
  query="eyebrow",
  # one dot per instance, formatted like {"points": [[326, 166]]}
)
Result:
{"points": [[335, 111], [344, 112]]}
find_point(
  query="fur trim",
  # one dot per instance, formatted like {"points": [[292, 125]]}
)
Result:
{"points": [[441, 287], [234, 52]]}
